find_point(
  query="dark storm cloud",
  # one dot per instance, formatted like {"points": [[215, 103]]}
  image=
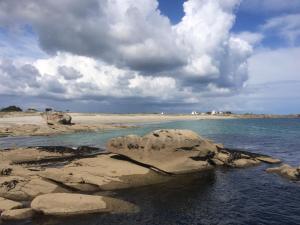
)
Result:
{"points": [[92, 28], [69, 73]]}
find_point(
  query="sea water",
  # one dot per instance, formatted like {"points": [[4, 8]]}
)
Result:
{"points": [[228, 196]]}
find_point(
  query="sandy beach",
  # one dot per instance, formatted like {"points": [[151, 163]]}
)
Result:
{"points": [[19, 124]]}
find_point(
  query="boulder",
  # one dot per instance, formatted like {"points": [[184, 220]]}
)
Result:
{"points": [[6, 204], [77, 204], [171, 151], [104, 172], [24, 189], [18, 214], [58, 118], [287, 171]]}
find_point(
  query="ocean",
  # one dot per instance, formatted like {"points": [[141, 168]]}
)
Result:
{"points": [[228, 196]]}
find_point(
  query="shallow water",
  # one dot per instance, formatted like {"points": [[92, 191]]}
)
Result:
{"points": [[229, 196]]}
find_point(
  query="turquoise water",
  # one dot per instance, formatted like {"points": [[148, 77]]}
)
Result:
{"points": [[229, 196], [277, 137]]}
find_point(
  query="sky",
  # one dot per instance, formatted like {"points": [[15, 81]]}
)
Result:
{"points": [[129, 56]]}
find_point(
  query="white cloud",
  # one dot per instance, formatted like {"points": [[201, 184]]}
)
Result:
{"points": [[128, 49], [252, 38]]}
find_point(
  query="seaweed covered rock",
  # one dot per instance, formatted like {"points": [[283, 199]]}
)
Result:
{"points": [[240, 159], [172, 151], [287, 171]]}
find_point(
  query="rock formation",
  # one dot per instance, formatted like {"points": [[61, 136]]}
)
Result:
{"points": [[58, 118], [171, 151], [32, 174], [287, 171], [181, 151]]}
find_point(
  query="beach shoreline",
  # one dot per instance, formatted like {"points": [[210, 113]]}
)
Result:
{"points": [[33, 124]]}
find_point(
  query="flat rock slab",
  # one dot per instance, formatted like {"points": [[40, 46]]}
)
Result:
{"points": [[18, 214], [103, 173], [61, 204], [268, 159], [24, 155], [6, 204]]}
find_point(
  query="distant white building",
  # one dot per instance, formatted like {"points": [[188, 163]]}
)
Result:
{"points": [[194, 113], [162, 113], [213, 112]]}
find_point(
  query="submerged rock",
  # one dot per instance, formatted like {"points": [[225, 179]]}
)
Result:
{"points": [[287, 171], [18, 214], [77, 204], [172, 151]]}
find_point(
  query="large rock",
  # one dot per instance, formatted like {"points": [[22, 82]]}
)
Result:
{"points": [[24, 189], [6, 204], [172, 151], [292, 173], [103, 172], [18, 214], [77, 204], [58, 118]]}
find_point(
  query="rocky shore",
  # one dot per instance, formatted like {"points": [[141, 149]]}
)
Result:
{"points": [[61, 181]]}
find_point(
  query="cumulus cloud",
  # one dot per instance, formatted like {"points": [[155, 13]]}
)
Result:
{"points": [[128, 49]]}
